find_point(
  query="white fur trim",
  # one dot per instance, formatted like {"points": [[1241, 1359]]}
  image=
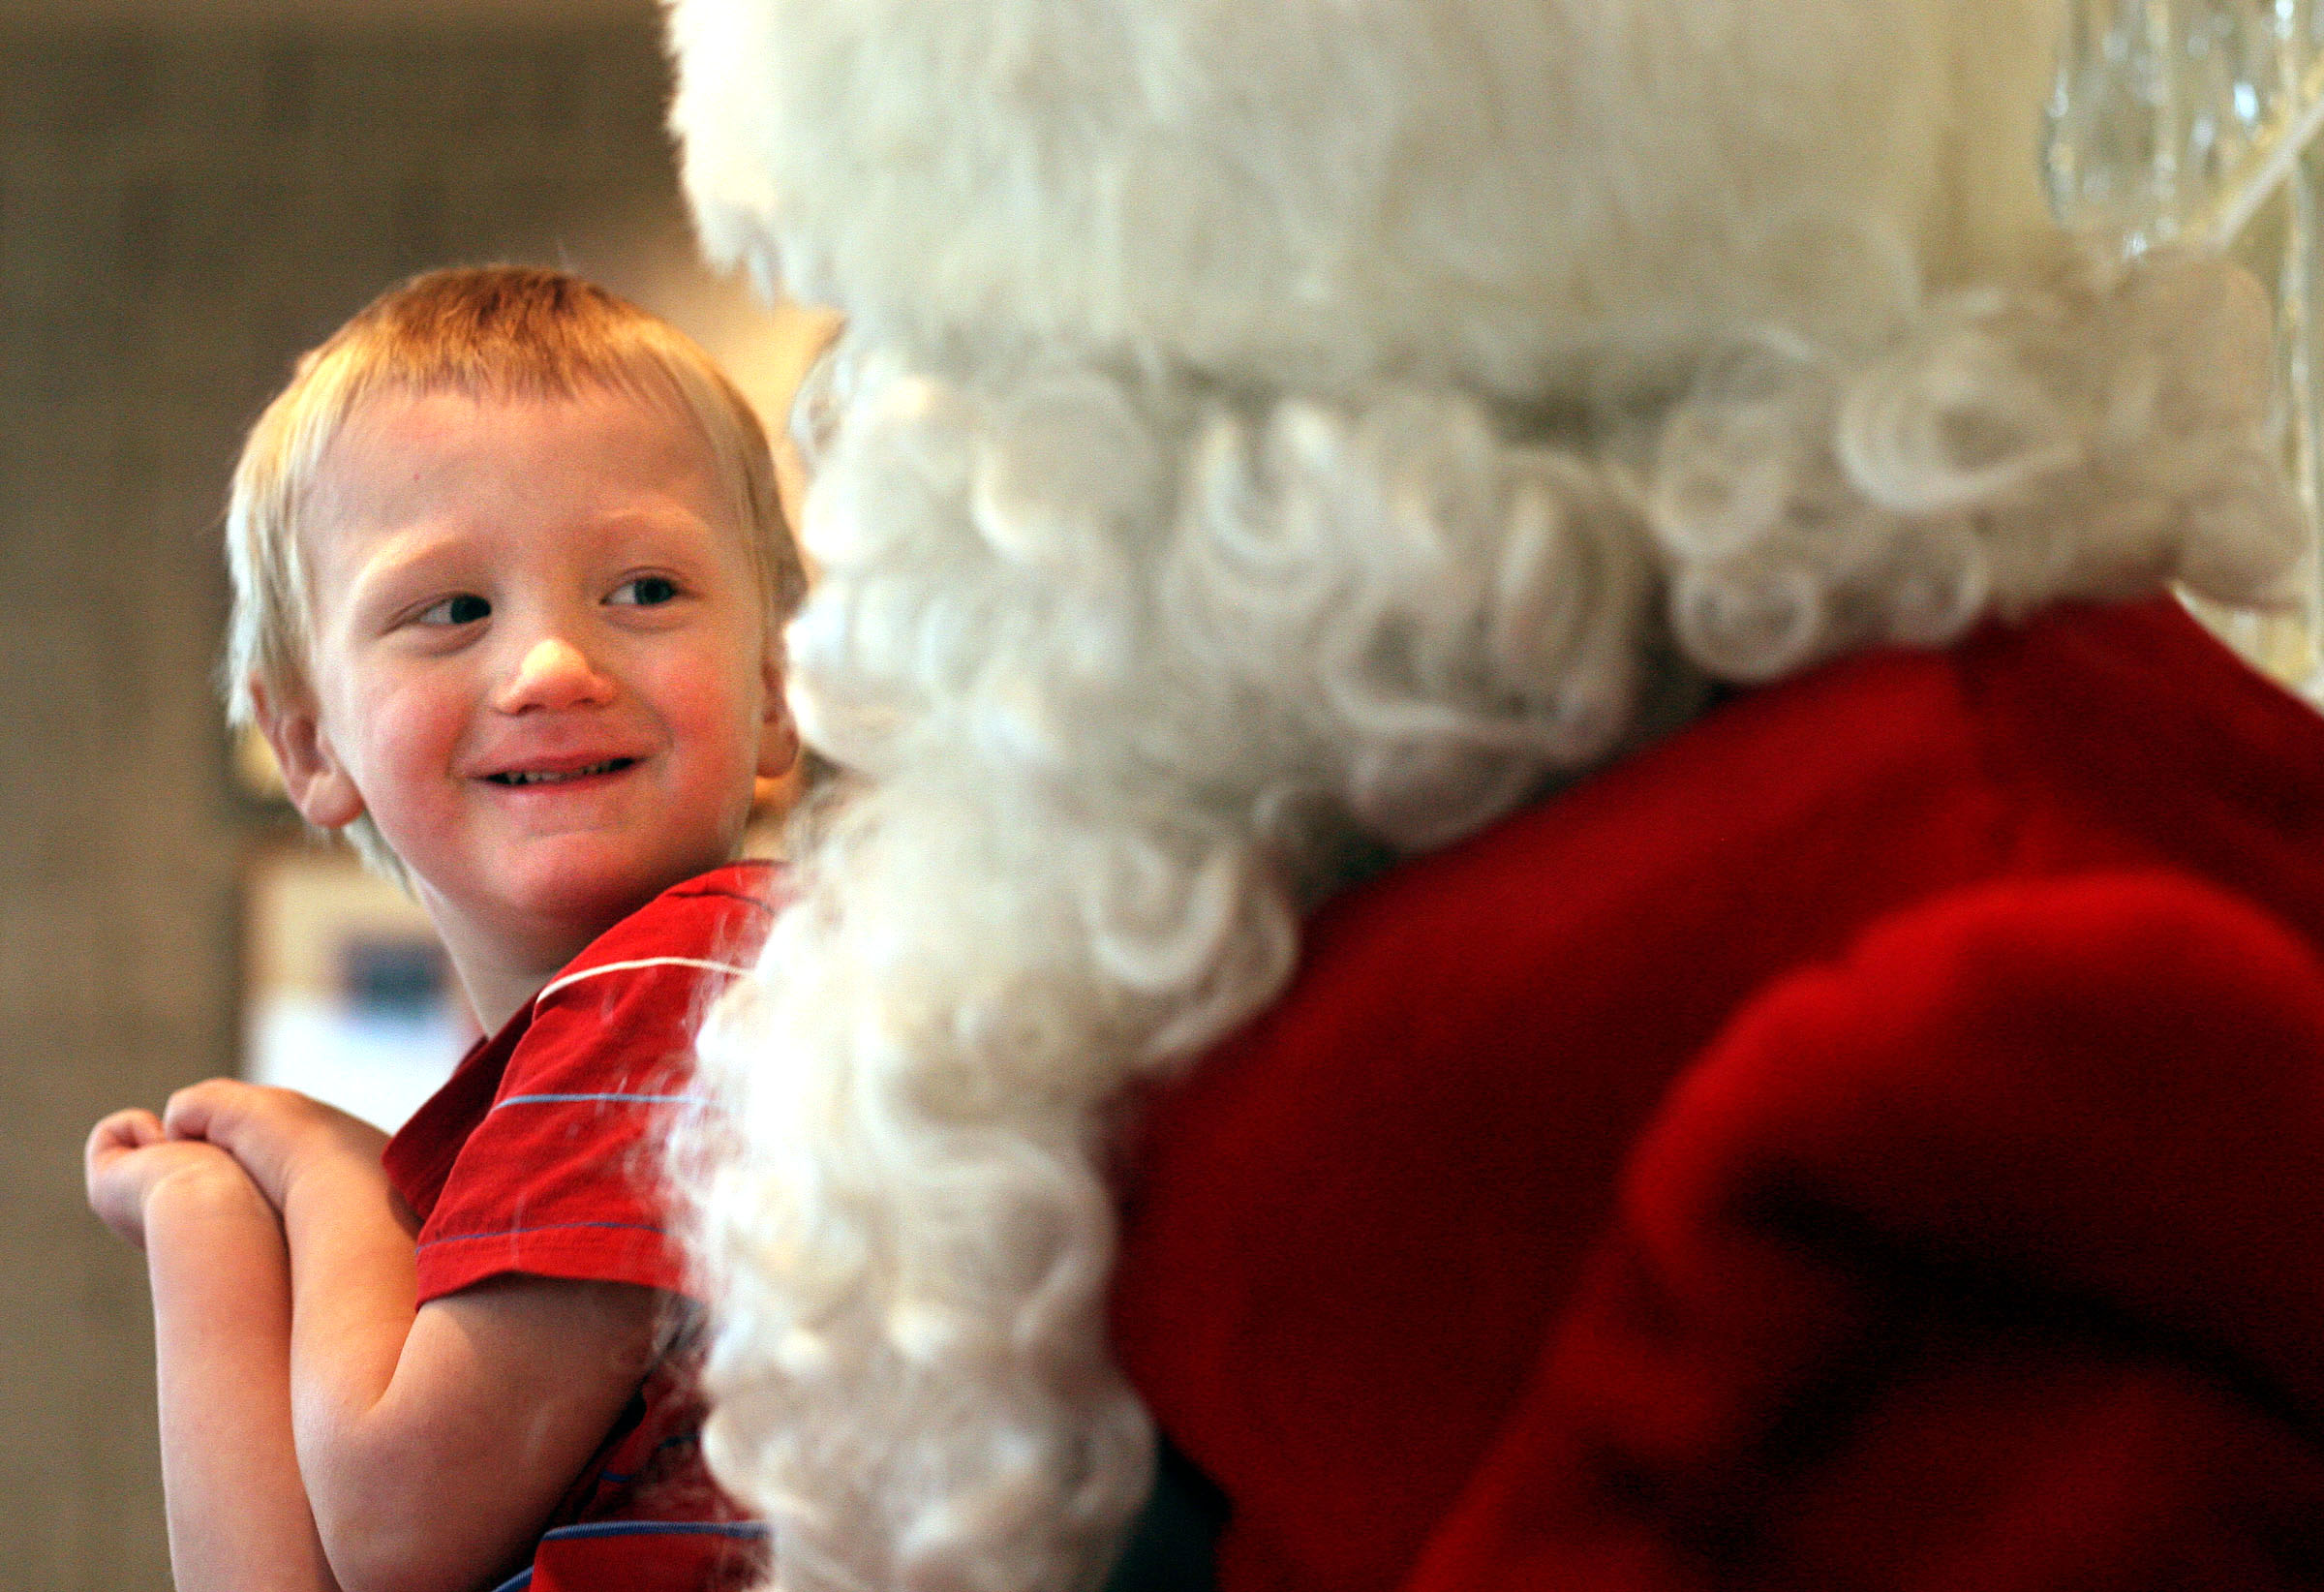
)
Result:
{"points": [[1505, 195]]}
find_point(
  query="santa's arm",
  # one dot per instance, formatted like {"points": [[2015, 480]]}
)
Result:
{"points": [[1983, 1247]]}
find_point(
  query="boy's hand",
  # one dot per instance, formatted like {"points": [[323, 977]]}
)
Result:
{"points": [[129, 1157], [272, 1132]]}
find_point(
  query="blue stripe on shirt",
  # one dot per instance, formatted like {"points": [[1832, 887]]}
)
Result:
{"points": [[749, 1529], [741, 1530]]}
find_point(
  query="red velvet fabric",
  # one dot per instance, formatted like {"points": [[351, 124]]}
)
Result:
{"points": [[1873, 1139]]}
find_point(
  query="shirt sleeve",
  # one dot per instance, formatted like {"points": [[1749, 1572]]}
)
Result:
{"points": [[562, 1176]]}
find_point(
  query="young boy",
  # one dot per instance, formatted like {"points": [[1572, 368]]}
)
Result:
{"points": [[509, 572]]}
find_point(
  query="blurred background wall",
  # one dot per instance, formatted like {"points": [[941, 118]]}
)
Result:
{"points": [[187, 199]]}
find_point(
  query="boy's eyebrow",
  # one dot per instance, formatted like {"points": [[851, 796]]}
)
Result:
{"points": [[406, 550], [397, 559], [701, 533]]}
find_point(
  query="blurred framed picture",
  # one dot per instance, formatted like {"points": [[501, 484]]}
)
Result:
{"points": [[346, 992]]}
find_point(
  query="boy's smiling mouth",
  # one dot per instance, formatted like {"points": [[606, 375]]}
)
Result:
{"points": [[550, 776]]}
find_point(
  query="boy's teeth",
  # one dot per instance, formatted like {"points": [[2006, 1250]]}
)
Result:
{"points": [[544, 778]]}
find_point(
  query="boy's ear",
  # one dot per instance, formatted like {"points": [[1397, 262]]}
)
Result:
{"points": [[777, 733], [319, 786]]}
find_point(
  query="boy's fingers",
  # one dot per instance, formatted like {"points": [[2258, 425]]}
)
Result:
{"points": [[111, 1142], [123, 1130], [193, 1110]]}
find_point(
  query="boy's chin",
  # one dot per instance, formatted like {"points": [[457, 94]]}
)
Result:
{"points": [[576, 887]]}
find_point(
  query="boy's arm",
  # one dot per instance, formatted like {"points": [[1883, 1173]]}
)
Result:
{"points": [[433, 1442], [237, 1511]]}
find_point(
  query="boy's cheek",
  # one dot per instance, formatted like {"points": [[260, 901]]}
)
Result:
{"points": [[407, 748]]}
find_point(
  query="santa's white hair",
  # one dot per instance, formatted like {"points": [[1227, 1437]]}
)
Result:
{"points": [[1270, 438]]}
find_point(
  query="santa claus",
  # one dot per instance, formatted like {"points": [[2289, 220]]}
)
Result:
{"points": [[1524, 848]]}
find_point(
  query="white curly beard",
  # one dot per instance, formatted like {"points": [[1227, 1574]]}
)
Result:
{"points": [[1125, 669]]}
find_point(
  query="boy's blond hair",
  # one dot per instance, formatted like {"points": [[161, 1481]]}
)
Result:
{"points": [[490, 332]]}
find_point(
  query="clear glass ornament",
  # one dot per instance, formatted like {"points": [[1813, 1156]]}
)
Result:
{"points": [[2197, 121]]}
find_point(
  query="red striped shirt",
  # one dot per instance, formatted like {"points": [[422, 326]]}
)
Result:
{"points": [[541, 1156]]}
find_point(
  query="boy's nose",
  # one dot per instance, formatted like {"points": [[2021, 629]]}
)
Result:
{"points": [[553, 673]]}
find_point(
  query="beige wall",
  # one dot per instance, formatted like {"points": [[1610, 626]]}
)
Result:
{"points": [[178, 214]]}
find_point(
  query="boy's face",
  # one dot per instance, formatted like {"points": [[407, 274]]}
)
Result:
{"points": [[540, 661]]}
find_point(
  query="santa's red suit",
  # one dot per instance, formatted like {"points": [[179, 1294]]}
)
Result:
{"points": [[1874, 1138]]}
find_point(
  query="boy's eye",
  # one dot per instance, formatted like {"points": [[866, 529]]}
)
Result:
{"points": [[645, 592], [465, 609]]}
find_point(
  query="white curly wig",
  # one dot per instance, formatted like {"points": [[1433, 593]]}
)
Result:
{"points": [[1271, 436]]}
